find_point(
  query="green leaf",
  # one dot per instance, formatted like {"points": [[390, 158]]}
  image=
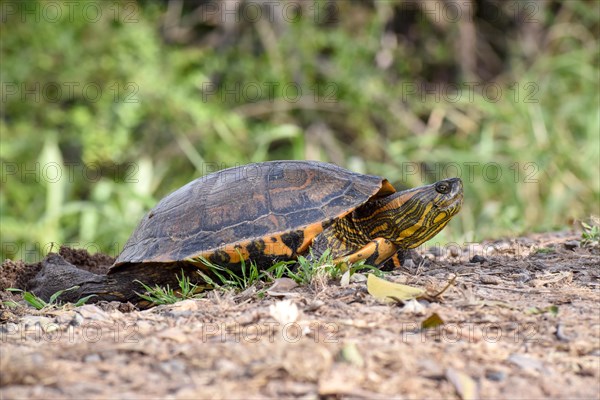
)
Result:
{"points": [[432, 322], [34, 300], [550, 309], [57, 294], [11, 304], [84, 300]]}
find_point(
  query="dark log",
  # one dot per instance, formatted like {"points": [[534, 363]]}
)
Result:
{"points": [[118, 285], [121, 283]]}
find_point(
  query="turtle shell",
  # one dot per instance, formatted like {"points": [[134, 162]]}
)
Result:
{"points": [[263, 212]]}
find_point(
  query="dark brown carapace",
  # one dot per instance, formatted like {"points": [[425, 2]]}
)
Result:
{"points": [[272, 211]]}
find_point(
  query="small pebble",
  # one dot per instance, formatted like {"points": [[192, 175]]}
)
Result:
{"points": [[436, 251], [409, 264], [172, 367], [490, 279], [571, 244], [496, 376], [77, 320], [92, 312], [314, 305], [64, 318], [91, 358], [521, 278], [560, 334], [502, 246], [478, 259]]}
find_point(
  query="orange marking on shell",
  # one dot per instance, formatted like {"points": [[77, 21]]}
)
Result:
{"points": [[277, 247], [238, 251], [310, 232]]}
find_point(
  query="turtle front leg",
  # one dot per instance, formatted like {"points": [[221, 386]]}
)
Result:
{"points": [[375, 253]]}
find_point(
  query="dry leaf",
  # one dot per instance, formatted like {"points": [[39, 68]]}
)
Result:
{"points": [[185, 305], [390, 291], [528, 363], [345, 280], [432, 322], [465, 386], [358, 277], [282, 287], [351, 355], [414, 307], [284, 312]]}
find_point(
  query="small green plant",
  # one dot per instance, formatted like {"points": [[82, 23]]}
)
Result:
{"points": [[166, 295], [227, 278], [544, 250], [250, 273], [362, 266], [303, 271], [278, 270], [590, 235], [324, 266], [310, 267], [39, 303], [222, 277], [553, 310]]}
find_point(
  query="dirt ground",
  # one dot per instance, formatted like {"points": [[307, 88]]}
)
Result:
{"points": [[521, 321]]}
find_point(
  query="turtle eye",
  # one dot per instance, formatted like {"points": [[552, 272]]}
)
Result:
{"points": [[442, 187]]}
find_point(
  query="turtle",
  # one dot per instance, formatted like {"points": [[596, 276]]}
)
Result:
{"points": [[275, 211]]}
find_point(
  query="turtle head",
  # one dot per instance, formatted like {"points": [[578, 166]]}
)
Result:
{"points": [[419, 214]]}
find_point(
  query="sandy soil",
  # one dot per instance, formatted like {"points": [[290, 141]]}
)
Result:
{"points": [[521, 321]]}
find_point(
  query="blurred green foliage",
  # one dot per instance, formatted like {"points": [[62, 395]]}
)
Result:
{"points": [[107, 106]]}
